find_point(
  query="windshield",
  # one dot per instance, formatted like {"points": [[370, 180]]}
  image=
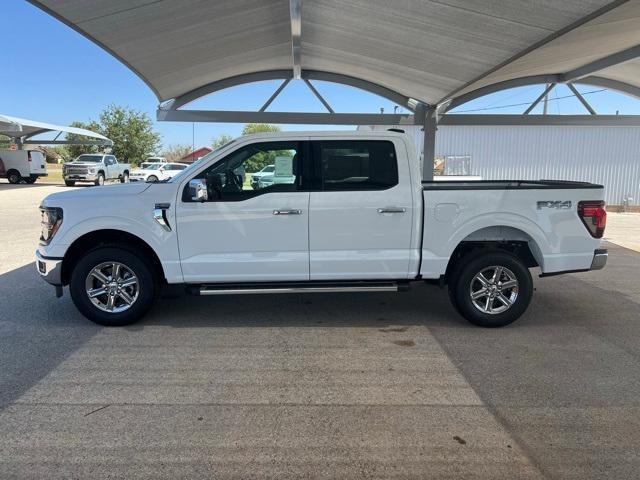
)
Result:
{"points": [[153, 166], [208, 156], [268, 169], [89, 158]]}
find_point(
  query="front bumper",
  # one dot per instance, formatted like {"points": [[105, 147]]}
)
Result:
{"points": [[600, 257], [81, 177], [49, 268]]}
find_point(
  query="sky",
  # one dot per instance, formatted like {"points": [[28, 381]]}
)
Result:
{"points": [[52, 74]]}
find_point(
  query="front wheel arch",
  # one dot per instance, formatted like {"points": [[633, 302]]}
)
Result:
{"points": [[114, 238]]}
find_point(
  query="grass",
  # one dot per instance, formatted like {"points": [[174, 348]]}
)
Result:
{"points": [[54, 171]]}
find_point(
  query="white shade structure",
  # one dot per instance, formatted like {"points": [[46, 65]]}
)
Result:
{"points": [[427, 56], [24, 130]]}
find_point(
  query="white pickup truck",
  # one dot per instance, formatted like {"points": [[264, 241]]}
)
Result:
{"points": [[355, 217], [95, 168]]}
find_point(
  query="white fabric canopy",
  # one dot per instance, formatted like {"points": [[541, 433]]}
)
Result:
{"points": [[428, 50]]}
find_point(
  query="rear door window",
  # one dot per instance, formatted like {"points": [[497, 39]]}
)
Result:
{"points": [[343, 165]]}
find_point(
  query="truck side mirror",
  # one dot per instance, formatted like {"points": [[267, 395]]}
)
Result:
{"points": [[198, 190]]}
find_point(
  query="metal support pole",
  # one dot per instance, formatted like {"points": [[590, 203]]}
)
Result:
{"points": [[429, 146], [581, 98]]}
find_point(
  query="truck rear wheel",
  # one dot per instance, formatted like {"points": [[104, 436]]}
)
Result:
{"points": [[31, 180], [492, 289], [112, 286], [14, 176]]}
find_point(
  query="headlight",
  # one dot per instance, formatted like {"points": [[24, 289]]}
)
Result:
{"points": [[92, 170], [50, 223]]}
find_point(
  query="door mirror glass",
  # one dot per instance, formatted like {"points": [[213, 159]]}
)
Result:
{"points": [[198, 189]]}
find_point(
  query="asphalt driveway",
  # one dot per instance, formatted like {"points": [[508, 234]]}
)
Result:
{"points": [[317, 386]]}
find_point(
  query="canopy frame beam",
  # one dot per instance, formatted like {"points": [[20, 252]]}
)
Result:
{"points": [[598, 65], [535, 103], [583, 101], [295, 12]]}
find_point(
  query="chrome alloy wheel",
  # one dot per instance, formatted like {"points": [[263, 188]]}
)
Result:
{"points": [[112, 287], [494, 290]]}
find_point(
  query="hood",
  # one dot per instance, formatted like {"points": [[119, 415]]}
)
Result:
{"points": [[86, 194], [83, 164]]}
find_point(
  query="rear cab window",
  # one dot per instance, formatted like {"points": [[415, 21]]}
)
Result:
{"points": [[343, 165]]}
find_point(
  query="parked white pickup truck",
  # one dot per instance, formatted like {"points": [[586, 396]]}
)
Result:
{"points": [[95, 168], [355, 217]]}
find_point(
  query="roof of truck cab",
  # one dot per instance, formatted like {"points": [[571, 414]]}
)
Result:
{"points": [[427, 50], [346, 134]]}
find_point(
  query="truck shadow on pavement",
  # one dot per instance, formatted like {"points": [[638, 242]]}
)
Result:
{"points": [[37, 331]]}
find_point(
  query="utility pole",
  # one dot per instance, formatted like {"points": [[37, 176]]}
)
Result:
{"points": [[544, 104]]}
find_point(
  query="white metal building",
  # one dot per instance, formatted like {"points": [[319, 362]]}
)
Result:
{"points": [[600, 154]]}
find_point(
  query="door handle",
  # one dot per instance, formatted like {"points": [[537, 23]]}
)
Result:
{"points": [[292, 211], [392, 210]]}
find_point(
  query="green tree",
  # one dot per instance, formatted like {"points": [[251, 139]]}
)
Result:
{"points": [[72, 151], [261, 159], [221, 140], [173, 153], [250, 128], [134, 138], [5, 142]]}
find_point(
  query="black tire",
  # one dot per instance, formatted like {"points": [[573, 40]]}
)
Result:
{"points": [[100, 180], [461, 287], [30, 180], [70, 183], [14, 176], [132, 260], [152, 178], [124, 178]]}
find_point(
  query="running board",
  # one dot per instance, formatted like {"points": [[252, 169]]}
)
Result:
{"points": [[308, 287]]}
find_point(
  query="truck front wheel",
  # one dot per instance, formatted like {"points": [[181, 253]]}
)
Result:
{"points": [[100, 180], [112, 286], [492, 289]]}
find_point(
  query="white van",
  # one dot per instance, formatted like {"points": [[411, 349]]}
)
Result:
{"points": [[19, 165]]}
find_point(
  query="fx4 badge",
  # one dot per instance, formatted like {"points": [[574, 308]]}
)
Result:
{"points": [[557, 204]]}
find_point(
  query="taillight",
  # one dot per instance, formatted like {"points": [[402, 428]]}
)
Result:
{"points": [[29, 156], [594, 216]]}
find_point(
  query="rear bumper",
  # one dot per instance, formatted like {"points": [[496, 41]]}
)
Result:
{"points": [[600, 257], [598, 262], [50, 269]]}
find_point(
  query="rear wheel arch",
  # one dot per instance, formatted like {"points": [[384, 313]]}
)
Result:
{"points": [[109, 238], [500, 238]]}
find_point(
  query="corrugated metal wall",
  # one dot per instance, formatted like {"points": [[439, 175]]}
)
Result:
{"points": [[606, 155]]}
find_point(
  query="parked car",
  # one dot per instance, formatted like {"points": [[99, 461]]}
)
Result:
{"points": [[255, 178], [151, 161], [96, 168], [354, 217], [22, 165], [157, 172]]}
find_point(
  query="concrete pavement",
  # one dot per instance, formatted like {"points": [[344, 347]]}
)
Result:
{"points": [[316, 386]]}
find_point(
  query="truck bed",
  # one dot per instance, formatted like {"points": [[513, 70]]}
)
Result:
{"points": [[541, 213]]}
